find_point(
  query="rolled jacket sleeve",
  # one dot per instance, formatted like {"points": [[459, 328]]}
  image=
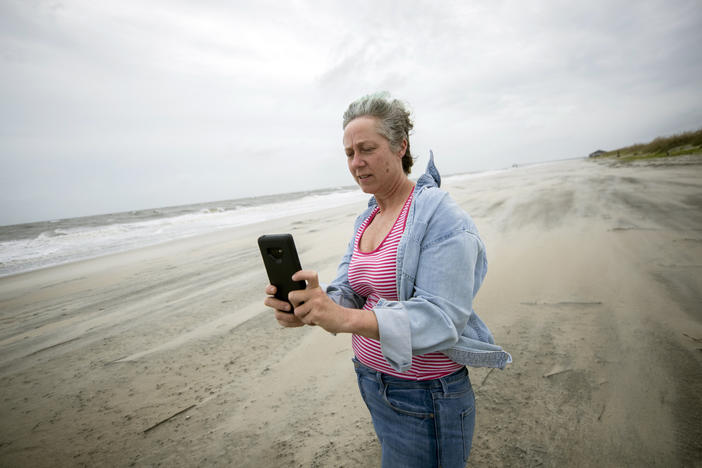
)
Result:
{"points": [[441, 305]]}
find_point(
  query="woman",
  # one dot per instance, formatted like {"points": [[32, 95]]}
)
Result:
{"points": [[404, 289]]}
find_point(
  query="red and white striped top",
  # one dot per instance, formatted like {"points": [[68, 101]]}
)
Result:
{"points": [[373, 276]]}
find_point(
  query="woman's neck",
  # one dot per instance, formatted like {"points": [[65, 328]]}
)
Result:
{"points": [[395, 196]]}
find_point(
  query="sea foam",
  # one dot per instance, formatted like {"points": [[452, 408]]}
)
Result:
{"points": [[82, 238]]}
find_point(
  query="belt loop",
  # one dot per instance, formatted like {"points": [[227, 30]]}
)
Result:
{"points": [[382, 386], [444, 385], [379, 377]]}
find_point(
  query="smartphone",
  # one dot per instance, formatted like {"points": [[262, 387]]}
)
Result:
{"points": [[281, 262]]}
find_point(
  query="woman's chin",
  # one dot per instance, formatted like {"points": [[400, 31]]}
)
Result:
{"points": [[366, 188]]}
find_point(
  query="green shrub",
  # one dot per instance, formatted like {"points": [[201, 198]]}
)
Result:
{"points": [[673, 145]]}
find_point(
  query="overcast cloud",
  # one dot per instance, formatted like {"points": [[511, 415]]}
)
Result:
{"points": [[113, 106]]}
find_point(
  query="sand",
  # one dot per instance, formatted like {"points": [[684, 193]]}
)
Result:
{"points": [[594, 286]]}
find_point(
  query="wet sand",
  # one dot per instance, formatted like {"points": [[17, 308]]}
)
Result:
{"points": [[166, 356]]}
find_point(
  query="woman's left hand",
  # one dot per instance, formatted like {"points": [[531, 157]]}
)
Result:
{"points": [[314, 307]]}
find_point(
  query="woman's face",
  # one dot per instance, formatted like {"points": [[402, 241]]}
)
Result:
{"points": [[372, 163]]}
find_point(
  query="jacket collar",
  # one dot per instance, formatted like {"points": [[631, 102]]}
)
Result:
{"points": [[431, 177]]}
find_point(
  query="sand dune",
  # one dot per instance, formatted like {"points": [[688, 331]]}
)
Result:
{"points": [[166, 355]]}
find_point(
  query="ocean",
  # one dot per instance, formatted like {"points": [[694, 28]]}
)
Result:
{"points": [[31, 246], [26, 247]]}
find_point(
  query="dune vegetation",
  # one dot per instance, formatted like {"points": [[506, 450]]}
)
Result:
{"points": [[661, 147]]}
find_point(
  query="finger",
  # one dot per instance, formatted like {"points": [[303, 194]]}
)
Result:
{"points": [[287, 320], [277, 304], [297, 297], [270, 289], [309, 276], [286, 317], [302, 313]]}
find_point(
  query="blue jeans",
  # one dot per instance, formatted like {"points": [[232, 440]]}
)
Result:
{"points": [[420, 423]]}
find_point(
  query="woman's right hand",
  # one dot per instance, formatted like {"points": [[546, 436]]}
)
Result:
{"points": [[282, 314]]}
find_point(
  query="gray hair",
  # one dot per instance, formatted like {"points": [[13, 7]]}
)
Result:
{"points": [[394, 121]]}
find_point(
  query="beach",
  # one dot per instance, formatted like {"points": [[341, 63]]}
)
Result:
{"points": [[166, 356]]}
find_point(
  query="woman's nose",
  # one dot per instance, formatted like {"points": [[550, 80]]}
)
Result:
{"points": [[356, 161]]}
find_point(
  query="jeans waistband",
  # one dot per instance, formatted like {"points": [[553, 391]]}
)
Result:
{"points": [[400, 382]]}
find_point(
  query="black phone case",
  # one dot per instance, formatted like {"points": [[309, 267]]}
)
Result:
{"points": [[280, 259]]}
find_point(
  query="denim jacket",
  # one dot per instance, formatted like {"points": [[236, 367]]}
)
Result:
{"points": [[441, 264]]}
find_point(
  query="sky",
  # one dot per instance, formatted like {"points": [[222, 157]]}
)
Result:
{"points": [[109, 106]]}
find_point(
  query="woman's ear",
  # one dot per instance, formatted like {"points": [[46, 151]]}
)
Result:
{"points": [[403, 148]]}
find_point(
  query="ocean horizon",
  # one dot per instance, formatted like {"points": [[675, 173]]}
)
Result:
{"points": [[31, 246]]}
